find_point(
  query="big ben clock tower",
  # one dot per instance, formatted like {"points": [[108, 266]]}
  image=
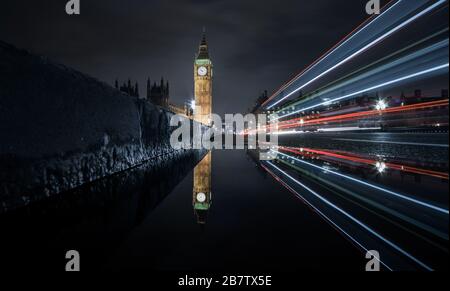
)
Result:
{"points": [[203, 73]]}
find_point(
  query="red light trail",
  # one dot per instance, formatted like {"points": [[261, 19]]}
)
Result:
{"points": [[353, 158], [298, 122]]}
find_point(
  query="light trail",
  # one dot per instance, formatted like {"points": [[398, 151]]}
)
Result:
{"points": [[295, 123], [362, 50], [362, 70], [352, 218], [304, 121], [277, 178], [360, 160], [392, 82], [363, 74], [285, 132], [344, 129], [392, 193], [338, 45], [395, 142], [337, 129], [335, 189]]}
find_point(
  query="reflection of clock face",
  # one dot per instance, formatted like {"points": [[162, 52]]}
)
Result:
{"points": [[201, 197], [202, 71]]}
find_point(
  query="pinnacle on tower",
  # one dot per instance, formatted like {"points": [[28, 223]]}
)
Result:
{"points": [[203, 53]]}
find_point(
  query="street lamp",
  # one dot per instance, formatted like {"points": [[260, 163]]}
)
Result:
{"points": [[381, 105]]}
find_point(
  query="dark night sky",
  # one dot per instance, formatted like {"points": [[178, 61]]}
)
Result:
{"points": [[254, 44]]}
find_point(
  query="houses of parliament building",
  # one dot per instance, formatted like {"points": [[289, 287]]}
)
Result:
{"points": [[159, 94]]}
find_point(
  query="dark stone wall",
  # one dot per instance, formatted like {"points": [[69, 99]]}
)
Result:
{"points": [[93, 219], [60, 129]]}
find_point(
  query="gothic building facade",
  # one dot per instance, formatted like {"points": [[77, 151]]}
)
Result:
{"points": [[158, 94], [128, 88]]}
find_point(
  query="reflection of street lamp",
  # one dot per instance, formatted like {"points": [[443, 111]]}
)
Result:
{"points": [[381, 105], [381, 167]]}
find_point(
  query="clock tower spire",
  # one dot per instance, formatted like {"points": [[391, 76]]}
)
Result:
{"points": [[203, 73]]}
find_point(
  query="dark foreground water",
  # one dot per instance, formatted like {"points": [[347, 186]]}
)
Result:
{"points": [[318, 206], [138, 221]]}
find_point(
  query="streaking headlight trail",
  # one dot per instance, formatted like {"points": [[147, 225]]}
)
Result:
{"points": [[350, 49]]}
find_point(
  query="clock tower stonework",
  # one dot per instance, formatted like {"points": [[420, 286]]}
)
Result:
{"points": [[203, 74]]}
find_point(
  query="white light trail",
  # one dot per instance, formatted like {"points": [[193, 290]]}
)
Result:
{"points": [[337, 129], [342, 129], [363, 225], [329, 220], [404, 78], [288, 132], [333, 50], [363, 49], [395, 142], [398, 195]]}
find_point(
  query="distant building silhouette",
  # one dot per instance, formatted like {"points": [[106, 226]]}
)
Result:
{"points": [[258, 103], [158, 94], [127, 88]]}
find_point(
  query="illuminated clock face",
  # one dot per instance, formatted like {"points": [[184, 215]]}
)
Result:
{"points": [[201, 197], [202, 71]]}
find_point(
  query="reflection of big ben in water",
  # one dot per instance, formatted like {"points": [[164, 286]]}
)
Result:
{"points": [[202, 189]]}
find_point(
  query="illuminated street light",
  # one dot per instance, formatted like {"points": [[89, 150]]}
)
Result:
{"points": [[381, 105], [192, 104]]}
